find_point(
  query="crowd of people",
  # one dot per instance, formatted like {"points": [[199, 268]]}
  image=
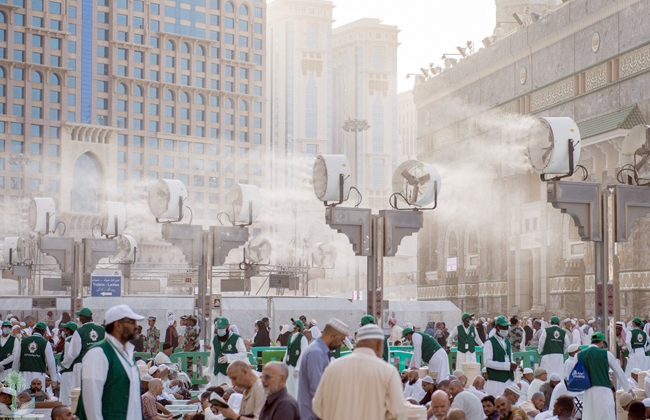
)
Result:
{"points": [[312, 381]]}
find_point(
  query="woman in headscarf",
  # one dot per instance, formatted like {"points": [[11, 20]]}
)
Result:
{"points": [[431, 328], [262, 338]]}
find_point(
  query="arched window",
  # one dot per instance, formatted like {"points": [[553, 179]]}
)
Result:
{"points": [[185, 48], [200, 50], [243, 106], [37, 77], [87, 178], [137, 90], [243, 10], [228, 103], [200, 100], [3, 17], [170, 46], [55, 79], [229, 7], [312, 37], [169, 95], [185, 98], [122, 89], [2, 72]]}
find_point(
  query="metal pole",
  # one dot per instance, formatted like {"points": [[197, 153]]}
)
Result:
{"points": [[203, 282], [608, 266], [210, 263]]}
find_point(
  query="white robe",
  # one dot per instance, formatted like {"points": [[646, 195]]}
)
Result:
{"points": [[569, 364], [553, 363], [599, 400], [637, 357], [467, 357], [292, 379], [438, 363], [414, 391], [495, 388], [49, 363]]}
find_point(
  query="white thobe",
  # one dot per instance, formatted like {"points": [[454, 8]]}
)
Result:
{"points": [[646, 386], [546, 415], [467, 357], [561, 389], [315, 332], [15, 353], [240, 355], [478, 392], [587, 332], [74, 350], [49, 363], [575, 336], [94, 373], [378, 398], [524, 384], [496, 388], [395, 334], [534, 387], [438, 363], [414, 390], [66, 381], [569, 364], [632, 382], [599, 400], [292, 380], [637, 357], [162, 359], [553, 363], [470, 404]]}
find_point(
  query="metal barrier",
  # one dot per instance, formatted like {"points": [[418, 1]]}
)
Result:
{"points": [[199, 361]]}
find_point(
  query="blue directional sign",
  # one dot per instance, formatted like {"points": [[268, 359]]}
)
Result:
{"points": [[106, 286]]}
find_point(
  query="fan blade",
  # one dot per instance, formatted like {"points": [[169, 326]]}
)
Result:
{"points": [[424, 179], [409, 178], [643, 161], [416, 192], [548, 151]]}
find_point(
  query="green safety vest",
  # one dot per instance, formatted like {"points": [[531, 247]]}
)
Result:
{"points": [[90, 335], [386, 355], [554, 343], [597, 365], [32, 354], [7, 349], [115, 395], [639, 339], [466, 342], [64, 370], [499, 355], [429, 346], [228, 347], [293, 350]]}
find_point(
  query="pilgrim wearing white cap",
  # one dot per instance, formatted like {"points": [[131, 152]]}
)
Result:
{"points": [[395, 331], [571, 361], [526, 379], [553, 343], [574, 332], [637, 344], [634, 378], [587, 330], [109, 372], [313, 328], [361, 386], [314, 360]]}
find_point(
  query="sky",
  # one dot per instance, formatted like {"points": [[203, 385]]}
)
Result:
{"points": [[429, 28]]}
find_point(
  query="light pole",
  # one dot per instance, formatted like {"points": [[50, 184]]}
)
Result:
{"points": [[356, 125], [19, 159]]}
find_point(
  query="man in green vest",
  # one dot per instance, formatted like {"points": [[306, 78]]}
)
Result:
{"points": [[296, 344], [67, 330], [9, 350], [598, 402], [36, 357], [427, 349], [369, 319], [87, 335], [553, 343], [226, 348], [497, 358], [110, 383], [637, 344], [467, 338]]}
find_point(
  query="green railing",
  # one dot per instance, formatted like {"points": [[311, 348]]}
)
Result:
{"points": [[199, 361]]}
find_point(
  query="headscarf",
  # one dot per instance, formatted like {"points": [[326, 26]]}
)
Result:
{"points": [[262, 338], [431, 328]]}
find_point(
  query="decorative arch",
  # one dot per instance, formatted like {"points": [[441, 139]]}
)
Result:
{"points": [[243, 10], [471, 248], [169, 95], [243, 105], [451, 249], [185, 97], [37, 76], [228, 104], [200, 50], [55, 79], [185, 48], [122, 89], [170, 45], [229, 7], [200, 99], [3, 17], [138, 90]]}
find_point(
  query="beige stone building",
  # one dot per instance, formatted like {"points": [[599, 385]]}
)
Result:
{"points": [[494, 245]]}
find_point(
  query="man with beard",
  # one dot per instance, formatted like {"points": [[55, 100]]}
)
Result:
{"points": [[507, 411], [36, 391], [413, 387], [226, 348], [296, 345], [439, 406], [86, 335], [466, 401], [110, 384], [429, 387], [314, 360], [279, 404]]}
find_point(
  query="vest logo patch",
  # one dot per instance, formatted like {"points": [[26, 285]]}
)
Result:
{"points": [[229, 347], [93, 335], [639, 338], [32, 347], [556, 334], [297, 352]]}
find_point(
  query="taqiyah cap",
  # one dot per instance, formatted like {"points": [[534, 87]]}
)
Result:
{"points": [[120, 312]]}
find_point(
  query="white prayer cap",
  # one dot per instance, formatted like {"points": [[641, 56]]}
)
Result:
{"points": [[591, 321], [427, 380], [338, 325], [140, 362], [484, 370], [313, 321], [120, 312], [147, 378], [370, 332], [8, 391], [515, 389], [573, 347], [568, 320], [636, 371], [152, 370], [555, 377], [646, 402], [15, 327], [622, 324], [409, 325], [527, 371]]}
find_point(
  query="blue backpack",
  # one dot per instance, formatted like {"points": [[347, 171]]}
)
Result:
{"points": [[579, 378]]}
